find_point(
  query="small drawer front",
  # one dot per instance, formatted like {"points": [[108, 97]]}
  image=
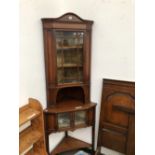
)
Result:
{"points": [[80, 118]]}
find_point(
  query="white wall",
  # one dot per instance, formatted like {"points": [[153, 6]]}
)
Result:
{"points": [[112, 46]]}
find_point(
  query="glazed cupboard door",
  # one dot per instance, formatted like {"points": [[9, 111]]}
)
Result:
{"points": [[64, 121], [67, 56], [69, 53], [80, 118], [72, 120]]}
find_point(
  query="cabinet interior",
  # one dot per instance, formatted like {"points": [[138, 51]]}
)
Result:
{"points": [[69, 49], [70, 93]]}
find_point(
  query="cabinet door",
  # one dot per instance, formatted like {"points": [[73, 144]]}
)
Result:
{"points": [[114, 123], [69, 51], [80, 118], [64, 120]]}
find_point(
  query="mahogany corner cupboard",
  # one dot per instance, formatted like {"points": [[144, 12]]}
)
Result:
{"points": [[67, 52]]}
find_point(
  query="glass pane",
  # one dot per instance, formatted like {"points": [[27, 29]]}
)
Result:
{"points": [[69, 56], [80, 117], [63, 120]]}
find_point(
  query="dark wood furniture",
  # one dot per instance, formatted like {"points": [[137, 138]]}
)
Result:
{"points": [[117, 119], [32, 139], [67, 47]]}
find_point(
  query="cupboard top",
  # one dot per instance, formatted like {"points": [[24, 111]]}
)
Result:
{"points": [[68, 17], [70, 106], [68, 20]]}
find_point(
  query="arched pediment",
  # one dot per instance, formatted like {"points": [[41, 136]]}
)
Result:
{"points": [[71, 17]]}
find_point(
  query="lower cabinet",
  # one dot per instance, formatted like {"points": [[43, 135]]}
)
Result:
{"points": [[57, 121], [68, 120]]}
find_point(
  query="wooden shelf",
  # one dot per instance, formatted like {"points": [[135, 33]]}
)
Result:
{"points": [[68, 81], [32, 152], [69, 47], [27, 138], [69, 106], [27, 114], [69, 66], [60, 85], [31, 139], [69, 144]]}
